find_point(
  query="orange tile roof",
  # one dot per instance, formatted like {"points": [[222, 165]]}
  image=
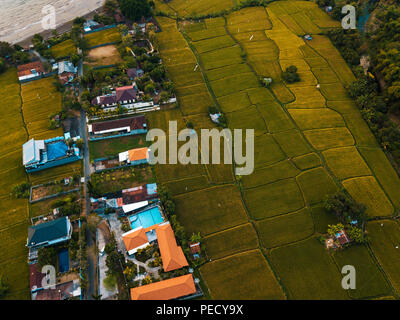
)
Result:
{"points": [[138, 154], [166, 289], [134, 239], [171, 254]]}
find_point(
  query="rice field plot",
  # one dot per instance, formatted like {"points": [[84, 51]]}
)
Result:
{"points": [[176, 57], [190, 90], [367, 191], [161, 119], [370, 280], [260, 50], [185, 74], [222, 57], [101, 37], [234, 84], [195, 103], [210, 210], [308, 119], [275, 118], [322, 139], [10, 178], [307, 161], [325, 75], [231, 241], [198, 7], [307, 97], [384, 172], [249, 277], [223, 72], [322, 218], [207, 33], [248, 19], [334, 91], [307, 271], [267, 151], [187, 185], [384, 238], [285, 229], [316, 184], [279, 171], [343, 107], [14, 214], [282, 93], [273, 199], [292, 143], [234, 102], [63, 49], [346, 162], [212, 44], [17, 273], [260, 96], [360, 130], [13, 211], [248, 118]]}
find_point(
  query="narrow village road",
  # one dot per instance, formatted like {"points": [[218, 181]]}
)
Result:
{"points": [[90, 244]]}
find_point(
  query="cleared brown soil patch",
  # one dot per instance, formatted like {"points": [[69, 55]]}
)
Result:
{"points": [[104, 56]]}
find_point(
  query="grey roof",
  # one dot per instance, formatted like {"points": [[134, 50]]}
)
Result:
{"points": [[66, 66], [31, 151]]}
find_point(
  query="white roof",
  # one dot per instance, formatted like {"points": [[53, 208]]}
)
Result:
{"points": [[123, 156], [134, 206]]}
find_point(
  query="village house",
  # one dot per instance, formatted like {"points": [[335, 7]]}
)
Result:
{"points": [[124, 96], [174, 288], [134, 156], [117, 128], [66, 71], [172, 255], [49, 233], [43, 154], [30, 71], [134, 73]]}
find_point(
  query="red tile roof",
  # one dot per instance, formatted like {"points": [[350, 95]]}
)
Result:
{"points": [[171, 254], [25, 69], [166, 289]]}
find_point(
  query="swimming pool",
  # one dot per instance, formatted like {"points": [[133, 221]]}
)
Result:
{"points": [[146, 218], [63, 261]]}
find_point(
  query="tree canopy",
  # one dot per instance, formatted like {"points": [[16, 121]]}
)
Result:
{"points": [[135, 9]]}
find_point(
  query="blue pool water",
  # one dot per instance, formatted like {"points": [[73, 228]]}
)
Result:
{"points": [[63, 261], [146, 218]]}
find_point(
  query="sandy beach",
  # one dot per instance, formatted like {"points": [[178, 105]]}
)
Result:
{"points": [[21, 19]]}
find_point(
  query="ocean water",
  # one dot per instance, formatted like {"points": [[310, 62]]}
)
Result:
{"points": [[20, 19]]}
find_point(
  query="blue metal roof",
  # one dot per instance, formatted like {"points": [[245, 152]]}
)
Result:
{"points": [[48, 231]]}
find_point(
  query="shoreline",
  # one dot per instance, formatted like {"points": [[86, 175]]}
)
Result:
{"points": [[62, 28]]}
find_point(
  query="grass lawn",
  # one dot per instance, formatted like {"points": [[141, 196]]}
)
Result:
{"points": [[242, 276], [124, 178], [112, 147], [104, 36], [63, 49]]}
